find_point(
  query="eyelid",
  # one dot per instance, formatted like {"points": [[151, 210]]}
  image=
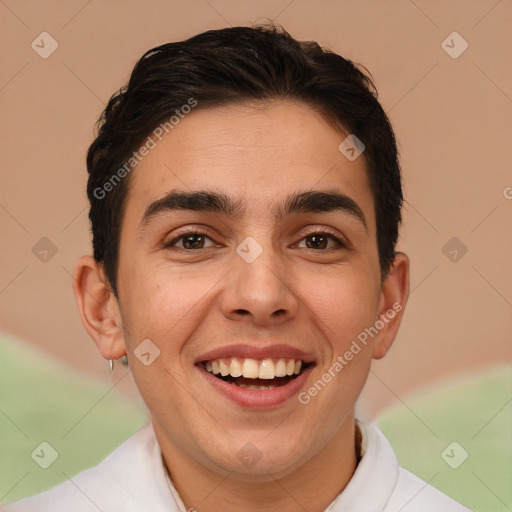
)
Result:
{"points": [[188, 230], [340, 238]]}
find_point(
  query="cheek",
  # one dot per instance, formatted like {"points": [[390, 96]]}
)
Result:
{"points": [[165, 306], [343, 304], [159, 309], [156, 306]]}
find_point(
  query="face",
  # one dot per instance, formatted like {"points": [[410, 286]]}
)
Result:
{"points": [[254, 288]]}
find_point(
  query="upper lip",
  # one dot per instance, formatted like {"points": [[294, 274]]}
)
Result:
{"points": [[256, 352]]}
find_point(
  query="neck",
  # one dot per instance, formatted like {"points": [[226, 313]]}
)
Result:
{"points": [[312, 487]]}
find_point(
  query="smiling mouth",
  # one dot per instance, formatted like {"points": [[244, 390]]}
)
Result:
{"points": [[256, 374]]}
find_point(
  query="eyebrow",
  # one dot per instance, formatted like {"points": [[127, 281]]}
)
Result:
{"points": [[208, 201]]}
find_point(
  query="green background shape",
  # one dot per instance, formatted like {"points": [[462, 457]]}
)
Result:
{"points": [[474, 411], [43, 400]]}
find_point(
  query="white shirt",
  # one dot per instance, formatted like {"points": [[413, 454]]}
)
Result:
{"points": [[133, 478]]}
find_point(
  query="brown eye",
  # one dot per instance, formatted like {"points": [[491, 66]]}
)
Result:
{"points": [[193, 241], [189, 241], [321, 241], [317, 242]]}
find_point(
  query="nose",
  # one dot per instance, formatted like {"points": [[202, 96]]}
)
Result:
{"points": [[260, 291]]}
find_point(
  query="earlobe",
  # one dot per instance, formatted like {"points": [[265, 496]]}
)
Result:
{"points": [[393, 298], [99, 308]]}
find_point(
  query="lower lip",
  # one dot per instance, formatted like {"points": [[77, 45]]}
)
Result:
{"points": [[258, 398]]}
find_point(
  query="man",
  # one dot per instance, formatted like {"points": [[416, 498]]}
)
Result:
{"points": [[245, 202]]}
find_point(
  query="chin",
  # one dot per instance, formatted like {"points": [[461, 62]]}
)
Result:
{"points": [[264, 464]]}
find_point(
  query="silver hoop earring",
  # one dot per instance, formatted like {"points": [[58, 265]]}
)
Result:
{"points": [[124, 362]]}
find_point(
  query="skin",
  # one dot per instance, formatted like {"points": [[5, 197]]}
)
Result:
{"points": [[188, 304]]}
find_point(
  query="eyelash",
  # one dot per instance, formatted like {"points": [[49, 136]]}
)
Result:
{"points": [[195, 231]]}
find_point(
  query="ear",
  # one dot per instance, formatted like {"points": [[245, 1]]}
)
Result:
{"points": [[99, 308], [392, 301]]}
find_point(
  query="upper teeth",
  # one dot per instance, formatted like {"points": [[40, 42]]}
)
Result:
{"points": [[254, 369]]}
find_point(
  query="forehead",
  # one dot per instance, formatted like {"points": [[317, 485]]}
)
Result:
{"points": [[260, 152]]}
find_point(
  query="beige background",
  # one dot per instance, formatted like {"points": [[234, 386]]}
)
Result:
{"points": [[451, 117]]}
